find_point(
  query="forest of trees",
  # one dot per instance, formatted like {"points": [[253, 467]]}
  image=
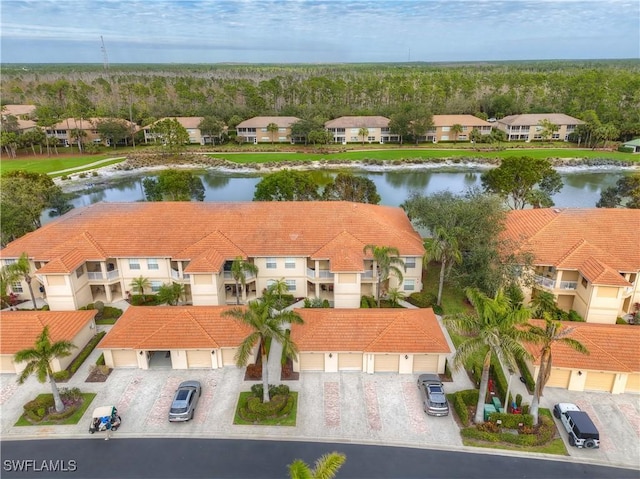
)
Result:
{"points": [[610, 90]]}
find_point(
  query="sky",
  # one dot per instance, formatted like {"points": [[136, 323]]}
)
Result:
{"points": [[316, 31]]}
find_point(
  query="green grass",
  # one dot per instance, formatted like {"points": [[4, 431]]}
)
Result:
{"points": [[87, 398], [289, 420], [49, 165], [556, 446], [453, 298]]}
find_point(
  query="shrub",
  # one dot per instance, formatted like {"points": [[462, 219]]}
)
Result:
{"points": [[625, 149], [61, 376], [525, 409], [518, 400], [574, 316], [282, 390], [526, 374], [512, 421], [363, 302], [619, 320], [73, 394], [99, 305], [499, 377], [469, 396], [64, 414], [110, 312], [80, 358], [100, 360], [459, 407], [423, 300]]}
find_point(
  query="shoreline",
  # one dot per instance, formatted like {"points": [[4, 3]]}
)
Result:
{"points": [[106, 176]]}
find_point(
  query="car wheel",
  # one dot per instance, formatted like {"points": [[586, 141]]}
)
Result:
{"points": [[91, 431], [556, 413], [572, 441], [590, 444], [114, 428]]}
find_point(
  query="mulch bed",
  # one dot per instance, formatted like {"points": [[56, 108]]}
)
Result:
{"points": [[97, 376]]}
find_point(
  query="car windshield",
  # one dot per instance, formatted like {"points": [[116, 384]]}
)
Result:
{"points": [[435, 389], [182, 395], [178, 410]]}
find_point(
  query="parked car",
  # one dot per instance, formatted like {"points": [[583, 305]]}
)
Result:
{"points": [[185, 401], [582, 432], [434, 402]]}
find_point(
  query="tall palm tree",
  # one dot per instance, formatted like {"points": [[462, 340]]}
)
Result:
{"points": [[443, 247], [275, 291], [553, 332], [239, 270], [39, 359], [260, 317], [387, 259], [139, 284], [456, 130], [21, 269], [363, 132], [325, 468], [495, 327], [543, 303], [272, 128]]}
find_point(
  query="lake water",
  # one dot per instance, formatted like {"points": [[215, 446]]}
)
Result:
{"points": [[581, 187]]}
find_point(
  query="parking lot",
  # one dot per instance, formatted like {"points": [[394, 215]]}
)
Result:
{"points": [[351, 407]]}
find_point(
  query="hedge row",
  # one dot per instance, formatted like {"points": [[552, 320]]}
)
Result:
{"points": [[512, 421], [84, 354], [527, 436], [526, 374], [459, 407]]}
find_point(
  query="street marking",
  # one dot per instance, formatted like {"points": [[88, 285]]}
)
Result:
{"points": [[129, 394], [331, 404], [413, 404], [159, 413], [371, 404]]}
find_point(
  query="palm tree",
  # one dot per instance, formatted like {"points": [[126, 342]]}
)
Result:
{"points": [[39, 360], [139, 284], [239, 270], [170, 293], [386, 258], [443, 247], [21, 269], [325, 468], [260, 317], [275, 291], [495, 327], [553, 332], [456, 130], [543, 303], [272, 128], [363, 132], [395, 295]]}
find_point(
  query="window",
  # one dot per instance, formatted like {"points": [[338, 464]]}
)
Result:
{"points": [[79, 271], [409, 263], [263, 130], [9, 261], [371, 138], [354, 138], [290, 263], [584, 283], [134, 264], [445, 128], [409, 285], [354, 130], [282, 130], [291, 284], [152, 263], [155, 286], [16, 287], [270, 282], [271, 263]]}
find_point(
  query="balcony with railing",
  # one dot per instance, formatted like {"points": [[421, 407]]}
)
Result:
{"points": [[319, 274], [176, 275], [549, 283], [568, 284], [247, 275], [99, 276]]}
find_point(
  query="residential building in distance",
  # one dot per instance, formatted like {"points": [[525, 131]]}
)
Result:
{"points": [[612, 365], [65, 130], [93, 253], [21, 112], [442, 124], [527, 127], [348, 129], [634, 145], [254, 130], [589, 259], [190, 123]]}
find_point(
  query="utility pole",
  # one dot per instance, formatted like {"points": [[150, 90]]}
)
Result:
{"points": [[105, 58]]}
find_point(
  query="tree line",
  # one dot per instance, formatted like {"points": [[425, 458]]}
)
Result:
{"points": [[599, 92]]}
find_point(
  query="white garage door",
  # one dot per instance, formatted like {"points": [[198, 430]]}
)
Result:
{"points": [[425, 363], [350, 361], [633, 384], [6, 364], [385, 363], [229, 357], [311, 361], [124, 358], [599, 381], [559, 378], [199, 359]]}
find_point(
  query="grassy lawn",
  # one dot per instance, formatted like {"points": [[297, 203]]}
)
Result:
{"points": [[56, 163], [556, 446], [289, 420], [453, 298], [87, 398]]}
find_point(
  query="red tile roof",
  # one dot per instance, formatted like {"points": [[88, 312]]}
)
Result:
{"points": [[612, 347], [598, 242], [369, 330], [19, 329], [358, 122], [174, 327], [209, 233]]}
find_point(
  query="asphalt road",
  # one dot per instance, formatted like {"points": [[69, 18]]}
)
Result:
{"points": [[219, 458]]}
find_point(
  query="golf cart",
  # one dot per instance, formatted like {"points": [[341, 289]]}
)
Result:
{"points": [[105, 418]]}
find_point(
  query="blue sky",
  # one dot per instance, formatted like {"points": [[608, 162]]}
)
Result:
{"points": [[314, 31]]}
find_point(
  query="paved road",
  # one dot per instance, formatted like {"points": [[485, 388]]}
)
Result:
{"points": [[217, 458]]}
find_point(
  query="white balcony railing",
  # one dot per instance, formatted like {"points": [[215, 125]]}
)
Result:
{"points": [[94, 276], [98, 276], [549, 283], [367, 275], [228, 275], [568, 284], [325, 273], [311, 273]]}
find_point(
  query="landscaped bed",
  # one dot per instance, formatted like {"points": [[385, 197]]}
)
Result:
{"points": [[280, 411], [41, 411]]}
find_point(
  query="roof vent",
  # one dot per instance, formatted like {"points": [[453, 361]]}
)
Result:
{"points": [[557, 210]]}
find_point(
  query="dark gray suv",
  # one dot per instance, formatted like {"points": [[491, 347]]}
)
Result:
{"points": [[185, 401], [434, 402]]}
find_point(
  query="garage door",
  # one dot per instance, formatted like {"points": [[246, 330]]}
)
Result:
{"points": [[599, 381], [199, 359], [425, 363], [385, 363], [633, 384], [350, 361], [229, 357], [559, 378], [124, 359], [311, 361], [6, 364]]}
